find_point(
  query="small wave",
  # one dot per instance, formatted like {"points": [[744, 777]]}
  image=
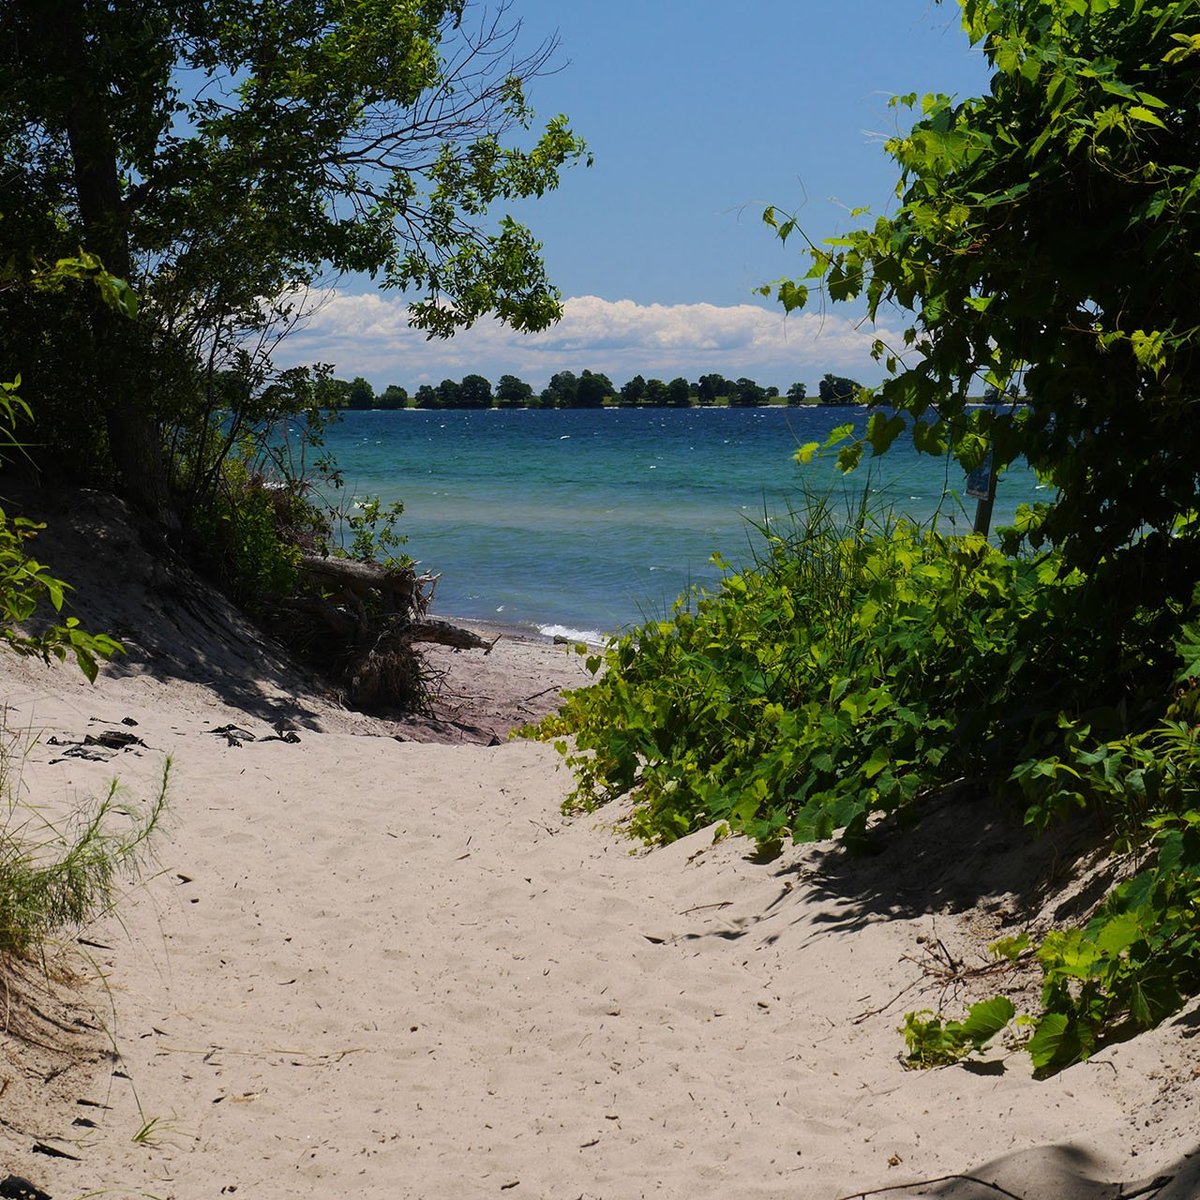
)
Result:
{"points": [[593, 637]]}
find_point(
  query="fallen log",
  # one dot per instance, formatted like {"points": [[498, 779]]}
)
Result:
{"points": [[400, 589], [443, 633], [362, 622]]}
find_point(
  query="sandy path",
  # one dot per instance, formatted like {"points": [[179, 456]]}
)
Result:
{"points": [[383, 969]]}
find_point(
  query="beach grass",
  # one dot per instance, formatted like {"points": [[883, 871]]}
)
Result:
{"points": [[57, 875]]}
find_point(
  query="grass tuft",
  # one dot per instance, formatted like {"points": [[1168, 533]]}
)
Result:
{"points": [[56, 879]]}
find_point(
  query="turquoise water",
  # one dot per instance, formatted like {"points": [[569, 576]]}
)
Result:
{"points": [[585, 521]]}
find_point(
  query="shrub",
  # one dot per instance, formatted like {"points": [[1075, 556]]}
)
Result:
{"points": [[858, 666], [861, 665], [24, 585], [246, 537]]}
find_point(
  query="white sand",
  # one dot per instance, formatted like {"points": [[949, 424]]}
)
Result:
{"points": [[394, 970]]}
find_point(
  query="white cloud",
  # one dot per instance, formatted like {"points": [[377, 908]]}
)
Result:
{"points": [[369, 335]]}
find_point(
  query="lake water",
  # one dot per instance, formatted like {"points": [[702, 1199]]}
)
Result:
{"points": [[585, 521]]}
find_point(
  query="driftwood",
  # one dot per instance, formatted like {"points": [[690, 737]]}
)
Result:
{"points": [[335, 619], [443, 633], [398, 590], [362, 622]]}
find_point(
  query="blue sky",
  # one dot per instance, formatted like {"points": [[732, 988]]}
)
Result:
{"points": [[699, 113]]}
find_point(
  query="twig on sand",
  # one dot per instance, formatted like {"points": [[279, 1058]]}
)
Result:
{"points": [[874, 1012], [905, 1187], [1156, 1185]]}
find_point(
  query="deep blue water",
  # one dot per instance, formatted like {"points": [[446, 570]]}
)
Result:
{"points": [[588, 520]]}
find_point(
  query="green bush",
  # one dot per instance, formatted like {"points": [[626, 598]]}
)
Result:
{"points": [[934, 1042], [249, 536], [24, 584], [1138, 956], [858, 666]]}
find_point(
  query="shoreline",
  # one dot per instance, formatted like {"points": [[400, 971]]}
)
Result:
{"points": [[481, 696], [530, 632]]}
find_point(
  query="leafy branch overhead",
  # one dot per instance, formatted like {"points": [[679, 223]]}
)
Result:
{"points": [[222, 157], [1039, 238], [357, 135]]}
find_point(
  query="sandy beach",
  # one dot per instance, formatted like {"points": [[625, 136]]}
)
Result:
{"points": [[367, 964]]}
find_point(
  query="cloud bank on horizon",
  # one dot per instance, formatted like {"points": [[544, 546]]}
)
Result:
{"points": [[369, 335]]}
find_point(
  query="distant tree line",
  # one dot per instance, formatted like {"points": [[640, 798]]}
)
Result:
{"points": [[589, 389]]}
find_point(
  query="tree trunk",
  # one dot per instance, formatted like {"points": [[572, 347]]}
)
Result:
{"points": [[135, 442]]}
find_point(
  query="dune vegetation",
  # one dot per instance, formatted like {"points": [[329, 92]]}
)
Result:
{"points": [[1043, 244]]}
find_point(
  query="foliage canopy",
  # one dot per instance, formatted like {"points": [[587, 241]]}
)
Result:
{"points": [[1048, 231], [220, 156]]}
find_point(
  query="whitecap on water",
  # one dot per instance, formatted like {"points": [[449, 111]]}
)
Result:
{"points": [[592, 636]]}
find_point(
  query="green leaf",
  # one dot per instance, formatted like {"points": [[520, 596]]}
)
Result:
{"points": [[849, 457], [792, 295], [1153, 997], [1050, 1038], [876, 763], [1138, 113], [1117, 934], [987, 1018]]}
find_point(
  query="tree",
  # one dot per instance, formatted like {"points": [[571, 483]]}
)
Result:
{"points": [[837, 389], [746, 393], [512, 392], [360, 394], [679, 393], [796, 394], [710, 387], [633, 392], [1046, 237], [449, 394], [474, 392], [427, 396], [656, 393], [593, 390], [561, 391], [330, 393], [392, 397], [217, 155]]}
